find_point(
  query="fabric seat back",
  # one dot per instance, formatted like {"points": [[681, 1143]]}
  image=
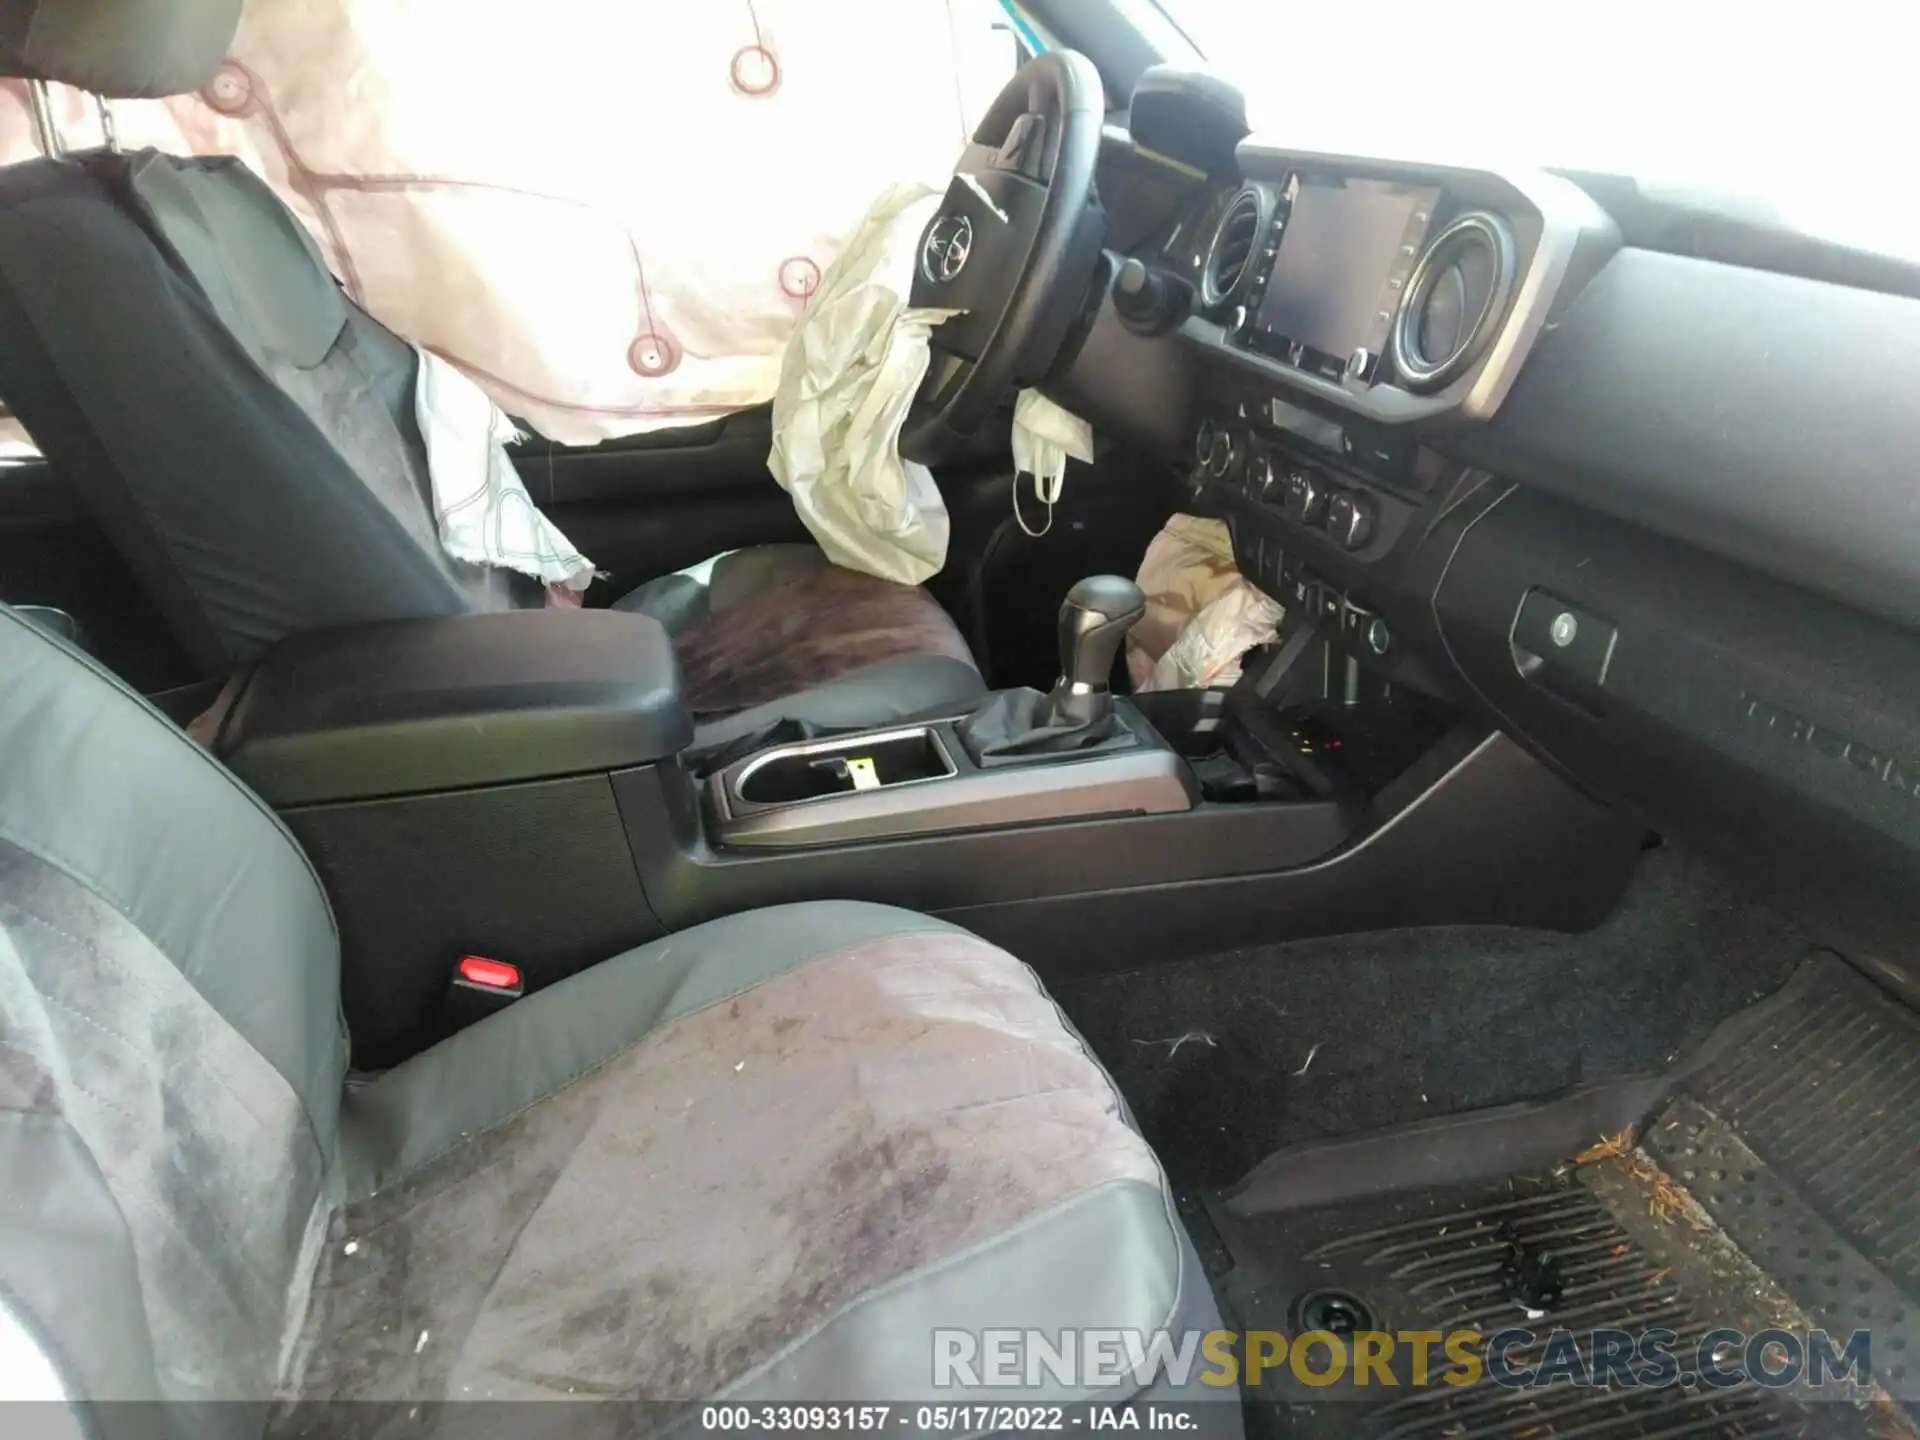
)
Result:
{"points": [[171, 1050], [246, 435]]}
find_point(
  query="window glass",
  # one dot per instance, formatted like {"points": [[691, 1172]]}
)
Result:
{"points": [[1794, 115]]}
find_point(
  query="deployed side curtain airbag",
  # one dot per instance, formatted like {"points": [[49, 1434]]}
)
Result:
{"points": [[485, 515], [610, 213]]}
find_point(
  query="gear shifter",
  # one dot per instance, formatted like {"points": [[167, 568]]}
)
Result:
{"points": [[1098, 613], [1077, 718]]}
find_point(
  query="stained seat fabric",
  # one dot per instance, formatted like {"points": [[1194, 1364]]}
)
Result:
{"points": [[778, 632], [766, 1157], [246, 436]]}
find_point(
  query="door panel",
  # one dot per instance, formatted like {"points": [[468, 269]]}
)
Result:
{"points": [[52, 553]]}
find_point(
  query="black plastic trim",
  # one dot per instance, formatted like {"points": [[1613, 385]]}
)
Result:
{"points": [[1772, 730], [412, 706], [1419, 371], [1475, 832], [1763, 417]]}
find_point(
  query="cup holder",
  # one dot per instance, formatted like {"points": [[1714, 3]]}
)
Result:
{"points": [[798, 773]]}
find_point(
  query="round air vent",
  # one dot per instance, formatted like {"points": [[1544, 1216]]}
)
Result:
{"points": [[1234, 241], [1454, 300], [1203, 439]]}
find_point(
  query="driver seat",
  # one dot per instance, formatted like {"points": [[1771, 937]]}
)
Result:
{"points": [[245, 434]]}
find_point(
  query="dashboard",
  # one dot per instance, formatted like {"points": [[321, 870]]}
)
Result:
{"points": [[1642, 494], [1395, 292], [1343, 308]]}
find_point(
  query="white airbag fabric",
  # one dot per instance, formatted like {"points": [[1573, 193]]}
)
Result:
{"points": [[1209, 650], [610, 213], [1202, 614], [849, 374], [846, 382], [480, 503]]}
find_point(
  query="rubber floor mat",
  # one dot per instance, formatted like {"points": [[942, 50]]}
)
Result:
{"points": [[1776, 1189], [1620, 1247], [1826, 1092]]}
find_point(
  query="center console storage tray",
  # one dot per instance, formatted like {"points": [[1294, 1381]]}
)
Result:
{"points": [[920, 780], [792, 773]]}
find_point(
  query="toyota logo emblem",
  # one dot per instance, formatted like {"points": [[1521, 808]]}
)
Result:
{"points": [[949, 243]]}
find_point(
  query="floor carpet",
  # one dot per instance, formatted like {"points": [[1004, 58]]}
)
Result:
{"points": [[1228, 1057]]}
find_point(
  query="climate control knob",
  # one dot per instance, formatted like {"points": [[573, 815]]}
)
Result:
{"points": [[1305, 499], [1350, 520]]}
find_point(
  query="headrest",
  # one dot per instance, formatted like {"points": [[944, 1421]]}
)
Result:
{"points": [[123, 49]]}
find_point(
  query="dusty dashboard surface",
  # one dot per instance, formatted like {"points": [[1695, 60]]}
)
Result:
{"points": [[1645, 508]]}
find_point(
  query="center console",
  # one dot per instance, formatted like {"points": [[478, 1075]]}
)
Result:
{"points": [[922, 780], [524, 788], [1019, 758]]}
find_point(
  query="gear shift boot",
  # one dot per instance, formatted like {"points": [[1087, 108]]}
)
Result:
{"points": [[1077, 718], [1020, 726]]}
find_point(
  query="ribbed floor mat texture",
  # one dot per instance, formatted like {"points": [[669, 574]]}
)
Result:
{"points": [[1777, 1189], [1827, 1093]]}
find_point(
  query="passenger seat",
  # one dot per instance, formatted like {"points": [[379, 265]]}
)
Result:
{"points": [[764, 1158]]}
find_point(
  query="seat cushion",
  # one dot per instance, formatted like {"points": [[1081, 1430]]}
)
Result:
{"points": [[777, 632], [763, 1158]]}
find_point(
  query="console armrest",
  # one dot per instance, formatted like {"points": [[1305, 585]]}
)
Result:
{"points": [[410, 706]]}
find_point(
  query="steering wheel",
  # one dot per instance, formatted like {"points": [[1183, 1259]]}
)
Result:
{"points": [[1015, 245]]}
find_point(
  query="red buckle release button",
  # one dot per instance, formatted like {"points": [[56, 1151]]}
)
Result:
{"points": [[485, 974]]}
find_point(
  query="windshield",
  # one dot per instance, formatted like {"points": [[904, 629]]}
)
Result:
{"points": [[1797, 114]]}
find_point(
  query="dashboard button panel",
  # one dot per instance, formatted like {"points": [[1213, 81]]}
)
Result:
{"points": [[1350, 520], [1306, 499], [1379, 636], [1305, 529]]}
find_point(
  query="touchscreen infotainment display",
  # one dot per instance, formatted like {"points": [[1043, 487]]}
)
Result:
{"points": [[1345, 253]]}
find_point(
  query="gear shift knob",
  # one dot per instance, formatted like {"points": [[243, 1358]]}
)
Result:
{"points": [[1096, 617]]}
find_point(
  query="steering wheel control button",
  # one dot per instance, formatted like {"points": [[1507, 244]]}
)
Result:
{"points": [[1359, 364], [1379, 637], [1305, 501], [1350, 520]]}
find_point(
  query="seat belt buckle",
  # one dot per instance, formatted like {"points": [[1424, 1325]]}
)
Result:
{"points": [[481, 986]]}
